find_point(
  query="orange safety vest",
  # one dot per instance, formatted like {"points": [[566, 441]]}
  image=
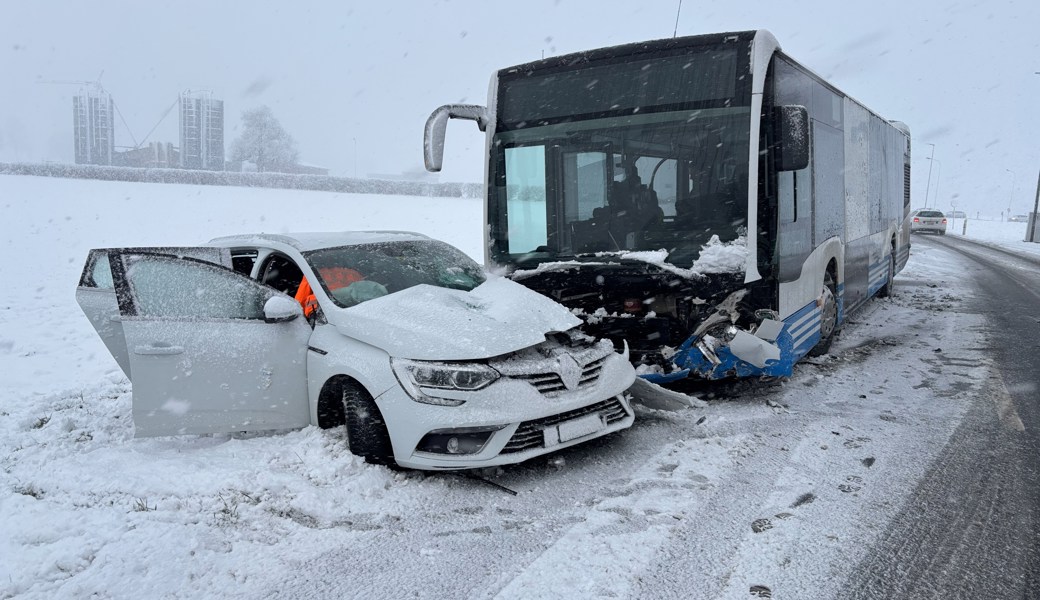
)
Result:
{"points": [[306, 298], [335, 278]]}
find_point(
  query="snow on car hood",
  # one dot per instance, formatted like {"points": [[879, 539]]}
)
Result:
{"points": [[433, 323]]}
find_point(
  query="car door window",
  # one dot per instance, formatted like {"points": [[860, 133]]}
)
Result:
{"points": [[242, 261], [170, 287], [281, 273], [101, 273]]}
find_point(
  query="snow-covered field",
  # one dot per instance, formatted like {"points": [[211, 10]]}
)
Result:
{"points": [[998, 233], [785, 487]]}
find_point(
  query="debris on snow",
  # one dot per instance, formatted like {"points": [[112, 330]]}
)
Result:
{"points": [[657, 397]]}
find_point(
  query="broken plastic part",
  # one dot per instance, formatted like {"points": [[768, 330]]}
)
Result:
{"points": [[708, 352], [769, 330], [753, 350], [654, 396]]}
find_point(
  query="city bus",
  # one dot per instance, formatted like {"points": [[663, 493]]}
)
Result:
{"points": [[706, 200]]}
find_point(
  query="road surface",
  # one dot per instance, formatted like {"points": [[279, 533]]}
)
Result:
{"points": [[972, 527]]}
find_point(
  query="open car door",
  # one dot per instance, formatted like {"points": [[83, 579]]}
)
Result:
{"points": [[210, 350], [96, 294]]}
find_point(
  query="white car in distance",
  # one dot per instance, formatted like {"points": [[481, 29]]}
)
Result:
{"points": [[427, 362]]}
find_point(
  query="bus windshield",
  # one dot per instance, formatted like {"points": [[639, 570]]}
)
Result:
{"points": [[651, 157]]}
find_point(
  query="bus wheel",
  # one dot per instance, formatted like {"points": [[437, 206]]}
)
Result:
{"points": [[828, 317], [886, 290]]}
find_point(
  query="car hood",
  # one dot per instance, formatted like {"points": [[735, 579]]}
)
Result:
{"points": [[426, 322]]}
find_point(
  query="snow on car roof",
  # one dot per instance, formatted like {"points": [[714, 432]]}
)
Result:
{"points": [[315, 240]]}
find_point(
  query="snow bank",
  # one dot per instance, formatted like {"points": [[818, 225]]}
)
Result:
{"points": [[1006, 235]]}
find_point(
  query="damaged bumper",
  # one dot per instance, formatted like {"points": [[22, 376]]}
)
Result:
{"points": [[735, 352]]}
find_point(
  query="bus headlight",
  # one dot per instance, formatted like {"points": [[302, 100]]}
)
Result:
{"points": [[723, 332]]}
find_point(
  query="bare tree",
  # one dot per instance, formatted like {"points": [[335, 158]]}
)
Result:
{"points": [[264, 142]]}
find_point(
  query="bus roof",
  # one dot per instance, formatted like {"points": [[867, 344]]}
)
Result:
{"points": [[586, 56]]}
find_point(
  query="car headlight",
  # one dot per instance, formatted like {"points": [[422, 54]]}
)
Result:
{"points": [[422, 379]]}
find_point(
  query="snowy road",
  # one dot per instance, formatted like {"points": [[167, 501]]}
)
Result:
{"points": [[895, 467], [972, 528]]}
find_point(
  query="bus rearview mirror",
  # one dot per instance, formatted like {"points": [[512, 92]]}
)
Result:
{"points": [[793, 129], [433, 138]]}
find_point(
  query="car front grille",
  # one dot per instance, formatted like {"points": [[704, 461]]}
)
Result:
{"points": [[529, 434], [548, 383]]}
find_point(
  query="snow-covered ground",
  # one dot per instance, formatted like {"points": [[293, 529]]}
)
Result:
{"points": [[998, 233], [785, 487]]}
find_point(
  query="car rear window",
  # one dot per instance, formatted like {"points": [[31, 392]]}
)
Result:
{"points": [[929, 213]]}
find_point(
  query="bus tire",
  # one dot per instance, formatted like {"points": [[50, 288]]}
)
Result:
{"points": [[886, 290], [828, 316]]}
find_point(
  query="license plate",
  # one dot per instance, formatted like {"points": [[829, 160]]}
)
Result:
{"points": [[579, 427]]}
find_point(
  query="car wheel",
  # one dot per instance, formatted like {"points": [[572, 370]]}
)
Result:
{"points": [[886, 290], [828, 317], [366, 432]]}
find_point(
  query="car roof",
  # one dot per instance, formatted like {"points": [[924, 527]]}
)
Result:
{"points": [[307, 241]]}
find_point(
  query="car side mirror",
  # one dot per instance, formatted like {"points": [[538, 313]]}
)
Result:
{"points": [[792, 124], [281, 309], [433, 137]]}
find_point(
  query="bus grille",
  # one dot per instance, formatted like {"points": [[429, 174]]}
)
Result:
{"points": [[529, 434]]}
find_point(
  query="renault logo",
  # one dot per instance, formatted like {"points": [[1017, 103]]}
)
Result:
{"points": [[569, 371]]}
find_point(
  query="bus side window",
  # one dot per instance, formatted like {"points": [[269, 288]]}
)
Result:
{"points": [[526, 206]]}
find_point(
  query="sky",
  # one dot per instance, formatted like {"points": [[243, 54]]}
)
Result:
{"points": [[354, 82]]}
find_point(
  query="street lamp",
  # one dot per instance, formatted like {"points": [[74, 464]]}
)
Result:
{"points": [[938, 174], [1008, 218], [1035, 217], [929, 186]]}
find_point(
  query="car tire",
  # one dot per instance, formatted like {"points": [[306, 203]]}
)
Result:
{"points": [[367, 435], [886, 290], [828, 317]]}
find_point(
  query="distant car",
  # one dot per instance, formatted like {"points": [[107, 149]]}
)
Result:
{"points": [[926, 219], [425, 361], [956, 214], [1019, 219]]}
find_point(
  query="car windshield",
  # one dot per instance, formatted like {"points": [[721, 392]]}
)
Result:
{"points": [[354, 274]]}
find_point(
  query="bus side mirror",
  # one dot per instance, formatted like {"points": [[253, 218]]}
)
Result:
{"points": [[793, 134], [433, 139]]}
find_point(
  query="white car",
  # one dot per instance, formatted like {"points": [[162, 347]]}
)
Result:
{"points": [[428, 363], [925, 219]]}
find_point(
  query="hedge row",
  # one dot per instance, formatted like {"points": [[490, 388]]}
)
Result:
{"points": [[325, 183]]}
